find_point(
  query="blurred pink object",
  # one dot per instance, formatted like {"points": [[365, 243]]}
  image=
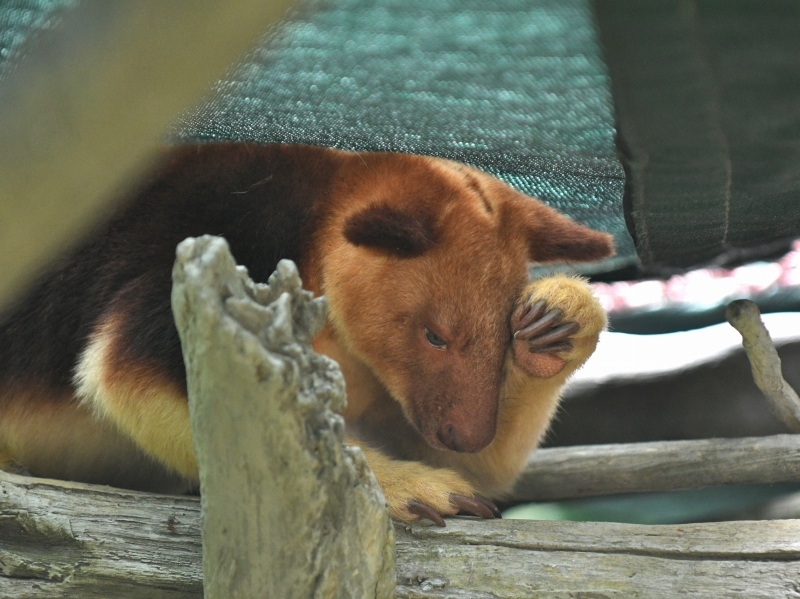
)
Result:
{"points": [[704, 287]]}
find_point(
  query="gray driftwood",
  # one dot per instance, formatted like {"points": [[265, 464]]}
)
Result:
{"points": [[560, 473], [61, 539], [765, 362], [288, 510]]}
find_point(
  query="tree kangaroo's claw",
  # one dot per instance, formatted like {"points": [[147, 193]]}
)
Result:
{"points": [[490, 504], [555, 339], [475, 506], [539, 334], [540, 325], [525, 314], [544, 332], [425, 511]]}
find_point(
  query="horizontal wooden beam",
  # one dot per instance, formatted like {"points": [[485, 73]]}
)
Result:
{"points": [[62, 539], [522, 558], [583, 471]]}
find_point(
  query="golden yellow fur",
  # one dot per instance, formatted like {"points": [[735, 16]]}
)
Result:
{"points": [[141, 405], [65, 440], [527, 406]]}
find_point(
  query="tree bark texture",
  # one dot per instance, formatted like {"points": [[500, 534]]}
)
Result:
{"points": [[288, 510], [60, 539], [765, 363], [584, 471]]}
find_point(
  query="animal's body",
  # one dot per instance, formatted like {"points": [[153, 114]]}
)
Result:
{"points": [[452, 358]]}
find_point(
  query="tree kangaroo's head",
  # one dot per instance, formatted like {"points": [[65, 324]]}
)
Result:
{"points": [[423, 261]]}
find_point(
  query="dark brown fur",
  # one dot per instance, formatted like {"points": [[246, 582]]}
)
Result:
{"points": [[127, 262], [383, 227]]}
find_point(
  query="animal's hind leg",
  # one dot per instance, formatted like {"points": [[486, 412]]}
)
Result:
{"points": [[47, 434], [132, 386], [8, 462]]}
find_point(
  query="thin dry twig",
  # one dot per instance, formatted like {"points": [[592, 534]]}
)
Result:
{"points": [[765, 363]]}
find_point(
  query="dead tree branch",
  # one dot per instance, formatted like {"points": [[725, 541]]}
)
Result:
{"points": [[288, 510], [765, 362]]}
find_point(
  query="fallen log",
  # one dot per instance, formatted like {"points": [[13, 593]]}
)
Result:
{"points": [[589, 470], [61, 539]]}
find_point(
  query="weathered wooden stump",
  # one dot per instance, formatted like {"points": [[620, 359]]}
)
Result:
{"points": [[288, 510]]}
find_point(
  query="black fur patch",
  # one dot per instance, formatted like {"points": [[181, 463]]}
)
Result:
{"points": [[403, 233], [260, 198]]}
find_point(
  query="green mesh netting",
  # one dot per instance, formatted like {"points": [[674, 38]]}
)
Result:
{"points": [[22, 20], [516, 87]]}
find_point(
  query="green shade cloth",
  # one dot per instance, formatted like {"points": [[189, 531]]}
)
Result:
{"points": [[515, 87], [24, 20], [707, 96]]}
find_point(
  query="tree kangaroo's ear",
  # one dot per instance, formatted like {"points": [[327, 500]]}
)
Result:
{"points": [[404, 232], [552, 237]]}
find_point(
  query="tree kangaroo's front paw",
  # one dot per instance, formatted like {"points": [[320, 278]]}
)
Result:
{"points": [[416, 491], [557, 324], [476, 505]]}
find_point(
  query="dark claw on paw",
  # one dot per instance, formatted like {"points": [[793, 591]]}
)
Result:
{"points": [[559, 333], [425, 511], [475, 506], [551, 349], [526, 314], [490, 504], [544, 324]]}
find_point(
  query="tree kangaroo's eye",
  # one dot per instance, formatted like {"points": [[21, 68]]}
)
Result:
{"points": [[434, 340]]}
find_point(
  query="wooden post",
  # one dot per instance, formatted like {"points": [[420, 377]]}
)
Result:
{"points": [[288, 510], [85, 113]]}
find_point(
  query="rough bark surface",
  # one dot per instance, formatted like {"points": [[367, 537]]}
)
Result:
{"points": [[288, 510], [61, 539], [744, 316], [584, 471]]}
